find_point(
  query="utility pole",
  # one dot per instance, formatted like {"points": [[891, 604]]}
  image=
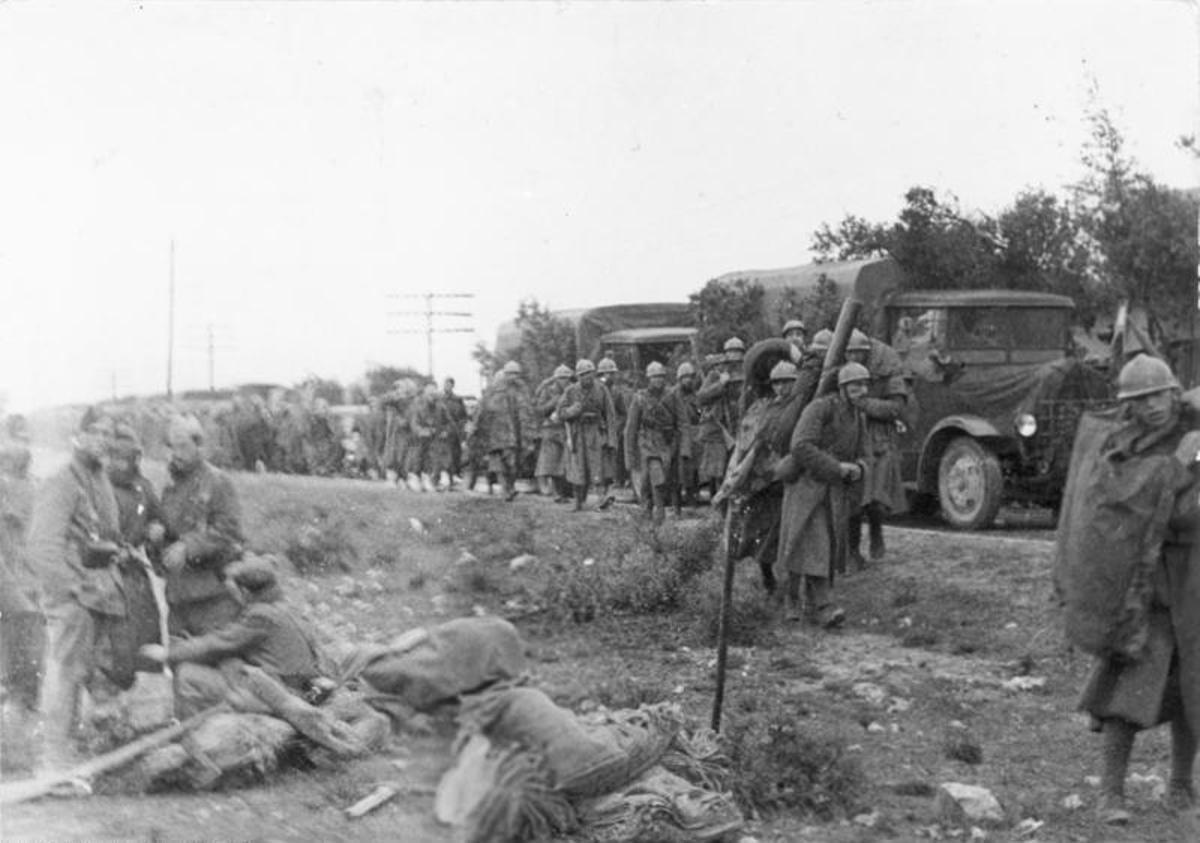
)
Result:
{"points": [[171, 321], [427, 315]]}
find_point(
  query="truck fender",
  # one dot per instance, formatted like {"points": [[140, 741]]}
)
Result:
{"points": [[945, 430]]}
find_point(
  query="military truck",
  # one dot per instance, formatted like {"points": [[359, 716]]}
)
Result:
{"points": [[998, 387]]}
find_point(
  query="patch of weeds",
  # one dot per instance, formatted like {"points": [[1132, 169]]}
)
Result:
{"points": [[750, 618], [919, 638], [417, 581], [321, 545], [906, 593], [781, 767], [473, 578], [627, 692]]}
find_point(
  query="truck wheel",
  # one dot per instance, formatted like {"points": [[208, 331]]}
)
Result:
{"points": [[970, 485]]}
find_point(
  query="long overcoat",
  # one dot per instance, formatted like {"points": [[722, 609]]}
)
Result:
{"points": [[507, 416], [552, 455], [817, 503], [656, 429], [592, 419], [200, 509], [887, 401], [1144, 692], [719, 421]]}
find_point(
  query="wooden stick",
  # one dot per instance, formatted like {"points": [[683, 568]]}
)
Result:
{"points": [[371, 801], [23, 791]]}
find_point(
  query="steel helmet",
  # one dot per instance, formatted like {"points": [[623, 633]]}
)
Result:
{"points": [[685, 369], [852, 373], [793, 325], [784, 370], [735, 345], [585, 366], [821, 340], [563, 371], [1144, 375], [656, 369], [858, 341], [607, 366], [512, 367]]}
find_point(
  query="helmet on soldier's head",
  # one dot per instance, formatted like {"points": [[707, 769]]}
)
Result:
{"points": [[585, 366], [853, 373], [656, 370], [821, 340], [735, 346], [793, 325], [784, 370], [607, 366], [685, 369], [1144, 375], [512, 367], [858, 341], [563, 371]]}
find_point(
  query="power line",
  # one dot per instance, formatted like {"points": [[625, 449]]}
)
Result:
{"points": [[428, 314]]}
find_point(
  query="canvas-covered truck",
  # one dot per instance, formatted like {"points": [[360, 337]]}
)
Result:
{"points": [[998, 386]]}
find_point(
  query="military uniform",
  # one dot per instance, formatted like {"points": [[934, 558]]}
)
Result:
{"points": [[655, 432], [428, 452], [22, 636], [719, 421], [200, 509], [508, 417], [137, 508], [73, 512], [552, 461], [592, 420]]}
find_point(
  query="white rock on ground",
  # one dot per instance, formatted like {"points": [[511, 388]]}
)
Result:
{"points": [[957, 803], [518, 562]]}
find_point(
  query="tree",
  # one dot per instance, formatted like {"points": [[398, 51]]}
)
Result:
{"points": [[547, 341], [328, 389], [720, 311], [380, 378]]}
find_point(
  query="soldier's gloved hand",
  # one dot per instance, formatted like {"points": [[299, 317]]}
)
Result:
{"points": [[1188, 450], [175, 557], [851, 472], [155, 532]]}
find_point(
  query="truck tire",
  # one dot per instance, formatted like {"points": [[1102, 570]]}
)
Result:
{"points": [[970, 484]]}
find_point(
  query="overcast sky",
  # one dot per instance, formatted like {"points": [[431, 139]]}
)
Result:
{"points": [[309, 159]]}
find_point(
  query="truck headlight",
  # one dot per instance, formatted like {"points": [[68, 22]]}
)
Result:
{"points": [[1026, 425]]}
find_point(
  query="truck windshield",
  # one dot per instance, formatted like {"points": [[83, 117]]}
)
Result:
{"points": [[1006, 327]]}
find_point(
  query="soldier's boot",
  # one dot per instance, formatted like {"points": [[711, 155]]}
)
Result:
{"points": [[510, 486], [875, 531], [821, 610], [1118, 737], [580, 497], [855, 542], [767, 568], [793, 608], [563, 489], [1181, 793], [606, 498]]}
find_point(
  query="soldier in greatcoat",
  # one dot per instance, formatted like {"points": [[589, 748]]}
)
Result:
{"points": [[883, 486], [552, 452], [508, 417], [1163, 686], [655, 432], [720, 413], [616, 470], [591, 421], [823, 475], [203, 533], [74, 545], [456, 416], [683, 477]]}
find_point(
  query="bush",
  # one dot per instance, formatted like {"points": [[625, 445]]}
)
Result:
{"points": [[779, 766], [750, 617]]}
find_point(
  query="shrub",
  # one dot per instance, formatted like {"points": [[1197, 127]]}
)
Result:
{"points": [[779, 766], [321, 546]]}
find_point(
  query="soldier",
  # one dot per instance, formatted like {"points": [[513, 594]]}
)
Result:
{"points": [[1122, 695], [397, 435], [372, 428], [720, 413], [507, 415], [683, 467], [456, 417], [795, 332], [655, 432], [428, 451], [591, 420], [622, 396], [203, 533], [764, 438], [73, 545], [22, 637], [141, 522], [883, 487], [823, 484], [551, 464]]}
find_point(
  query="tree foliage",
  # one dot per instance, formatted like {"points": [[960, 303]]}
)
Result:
{"points": [[327, 389], [546, 341], [720, 311], [380, 378]]}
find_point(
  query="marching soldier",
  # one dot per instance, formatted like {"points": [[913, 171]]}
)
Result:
{"points": [[591, 421], [683, 467], [456, 415], [551, 465], [622, 396], [883, 487], [720, 413], [655, 432], [508, 417], [823, 476]]}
